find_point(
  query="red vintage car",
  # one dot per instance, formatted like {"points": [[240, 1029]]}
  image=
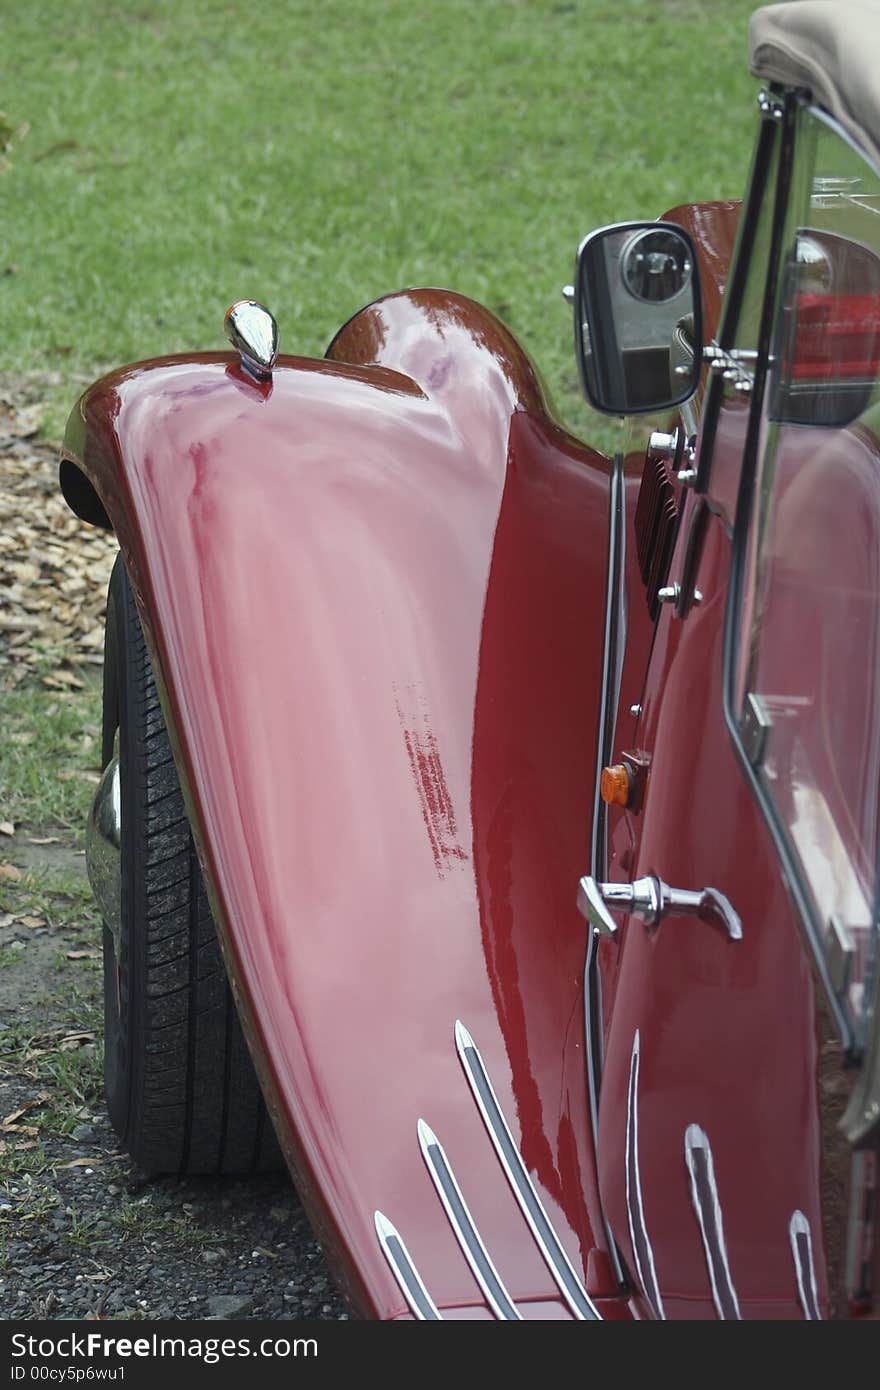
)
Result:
{"points": [[490, 824]]}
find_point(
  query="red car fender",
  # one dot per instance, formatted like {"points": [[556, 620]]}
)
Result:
{"points": [[373, 590]]}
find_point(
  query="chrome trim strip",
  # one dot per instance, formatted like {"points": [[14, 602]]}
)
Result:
{"points": [[704, 1194], [638, 1230], [594, 1056], [463, 1225], [612, 663], [615, 641], [523, 1188], [594, 1051], [408, 1278], [802, 1254]]}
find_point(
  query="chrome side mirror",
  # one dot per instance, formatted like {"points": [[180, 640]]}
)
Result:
{"points": [[638, 317]]}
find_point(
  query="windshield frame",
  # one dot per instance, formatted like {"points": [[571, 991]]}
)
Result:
{"points": [[763, 187]]}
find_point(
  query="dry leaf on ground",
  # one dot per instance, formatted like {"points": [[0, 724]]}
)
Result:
{"points": [[54, 568]]}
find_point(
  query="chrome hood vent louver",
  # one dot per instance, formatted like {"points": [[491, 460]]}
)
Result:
{"points": [[498, 1299]]}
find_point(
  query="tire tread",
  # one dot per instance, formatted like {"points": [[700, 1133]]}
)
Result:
{"points": [[194, 1103]]}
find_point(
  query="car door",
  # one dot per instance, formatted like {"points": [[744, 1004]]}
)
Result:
{"points": [[727, 1181]]}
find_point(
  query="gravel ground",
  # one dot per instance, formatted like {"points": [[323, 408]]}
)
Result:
{"points": [[81, 1234]]}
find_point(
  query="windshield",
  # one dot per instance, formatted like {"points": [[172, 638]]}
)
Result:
{"points": [[808, 676]]}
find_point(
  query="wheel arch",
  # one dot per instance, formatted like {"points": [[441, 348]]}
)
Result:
{"points": [[340, 552]]}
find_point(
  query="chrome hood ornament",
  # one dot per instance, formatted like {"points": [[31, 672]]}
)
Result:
{"points": [[253, 332]]}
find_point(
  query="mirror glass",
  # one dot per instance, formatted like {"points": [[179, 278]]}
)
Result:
{"points": [[637, 317]]}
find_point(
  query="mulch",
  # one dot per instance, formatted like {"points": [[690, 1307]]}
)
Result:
{"points": [[54, 568]]}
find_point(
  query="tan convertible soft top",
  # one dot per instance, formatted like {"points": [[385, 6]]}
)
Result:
{"points": [[833, 48]]}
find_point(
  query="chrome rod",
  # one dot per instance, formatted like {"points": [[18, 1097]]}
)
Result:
{"points": [[408, 1278], [805, 1271], [704, 1194], [464, 1226], [594, 1058], [638, 1230], [521, 1184]]}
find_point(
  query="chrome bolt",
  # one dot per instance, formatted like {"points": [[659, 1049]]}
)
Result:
{"points": [[669, 594], [770, 109], [663, 446]]}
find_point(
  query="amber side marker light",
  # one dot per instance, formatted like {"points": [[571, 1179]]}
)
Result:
{"points": [[615, 785]]}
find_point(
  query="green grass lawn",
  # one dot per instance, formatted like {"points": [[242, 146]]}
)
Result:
{"points": [[49, 752], [315, 154], [318, 153]]}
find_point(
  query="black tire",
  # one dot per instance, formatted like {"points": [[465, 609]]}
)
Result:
{"points": [[180, 1085]]}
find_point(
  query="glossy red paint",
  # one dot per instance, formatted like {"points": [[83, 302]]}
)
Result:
{"points": [[717, 1047], [732, 1036], [374, 595]]}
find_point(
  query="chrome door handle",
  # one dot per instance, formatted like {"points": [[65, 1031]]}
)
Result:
{"points": [[652, 899]]}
